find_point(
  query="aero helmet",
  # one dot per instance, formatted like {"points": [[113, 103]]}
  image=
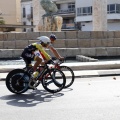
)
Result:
{"points": [[44, 39]]}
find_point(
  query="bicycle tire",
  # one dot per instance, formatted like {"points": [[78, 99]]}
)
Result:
{"points": [[14, 77], [69, 78], [49, 80]]}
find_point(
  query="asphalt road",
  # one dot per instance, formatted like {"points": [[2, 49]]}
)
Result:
{"points": [[95, 98]]}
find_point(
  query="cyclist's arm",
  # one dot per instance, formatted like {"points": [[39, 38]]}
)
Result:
{"points": [[52, 49]]}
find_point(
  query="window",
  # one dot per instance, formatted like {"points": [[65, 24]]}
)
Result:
{"points": [[24, 13], [31, 12], [84, 11], [112, 8], [71, 7], [78, 11], [118, 8], [58, 6], [32, 24], [24, 30], [90, 10], [108, 8]]}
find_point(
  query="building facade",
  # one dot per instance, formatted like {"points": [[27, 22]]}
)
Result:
{"points": [[84, 15], [10, 12], [66, 9], [27, 14]]}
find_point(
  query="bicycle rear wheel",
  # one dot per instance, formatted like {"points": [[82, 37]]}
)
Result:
{"points": [[17, 81], [69, 74], [53, 80]]}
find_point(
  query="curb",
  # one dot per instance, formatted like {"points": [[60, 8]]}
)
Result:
{"points": [[87, 76]]}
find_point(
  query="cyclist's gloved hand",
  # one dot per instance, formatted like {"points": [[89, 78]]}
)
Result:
{"points": [[61, 58]]}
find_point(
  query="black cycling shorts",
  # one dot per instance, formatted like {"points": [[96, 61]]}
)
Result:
{"points": [[28, 57]]}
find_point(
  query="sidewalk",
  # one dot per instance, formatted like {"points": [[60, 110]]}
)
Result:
{"points": [[81, 69]]}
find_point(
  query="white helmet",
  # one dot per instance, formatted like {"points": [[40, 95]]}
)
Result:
{"points": [[44, 39]]}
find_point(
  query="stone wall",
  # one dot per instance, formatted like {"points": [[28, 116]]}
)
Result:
{"points": [[69, 43]]}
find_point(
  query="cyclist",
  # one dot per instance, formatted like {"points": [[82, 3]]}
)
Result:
{"points": [[50, 46], [28, 53]]}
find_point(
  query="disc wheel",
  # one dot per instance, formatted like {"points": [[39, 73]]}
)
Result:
{"points": [[17, 81]]}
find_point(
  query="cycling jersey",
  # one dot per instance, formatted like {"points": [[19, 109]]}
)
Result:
{"points": [[28, 53], [37, 46]]}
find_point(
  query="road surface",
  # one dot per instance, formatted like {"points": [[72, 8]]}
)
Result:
{"points": [[96, 98]]}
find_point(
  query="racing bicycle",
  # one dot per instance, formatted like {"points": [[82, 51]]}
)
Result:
{"points": [[19, 80], [68, 72]]}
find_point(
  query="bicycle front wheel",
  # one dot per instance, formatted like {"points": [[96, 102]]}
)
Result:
{"points": [[69, 74], [53, 80]]}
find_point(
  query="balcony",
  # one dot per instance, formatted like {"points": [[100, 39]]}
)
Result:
{"points": [[66, 11], [68, 26], [63, 1]]}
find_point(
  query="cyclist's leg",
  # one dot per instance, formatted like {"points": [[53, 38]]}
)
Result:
{"points": [[37, 63], [38, 53], [28, 62], [28, 58]]}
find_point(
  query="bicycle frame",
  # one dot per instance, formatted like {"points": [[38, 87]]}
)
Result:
{"points": [[39, 77], [57, 65]]}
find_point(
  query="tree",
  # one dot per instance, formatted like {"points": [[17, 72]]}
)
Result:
{"points": [[2, 22]]}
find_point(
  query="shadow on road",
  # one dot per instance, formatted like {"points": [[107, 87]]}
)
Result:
{"points": [[30, 99], [67, 89]]}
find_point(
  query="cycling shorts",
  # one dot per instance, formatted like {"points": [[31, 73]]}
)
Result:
{"points": [[28, 57]]}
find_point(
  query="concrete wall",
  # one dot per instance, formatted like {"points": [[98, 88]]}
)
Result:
{"points": [[69, 43]]}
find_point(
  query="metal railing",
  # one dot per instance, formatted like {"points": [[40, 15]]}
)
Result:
{"points": [[68, 26], [66, 11]]}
